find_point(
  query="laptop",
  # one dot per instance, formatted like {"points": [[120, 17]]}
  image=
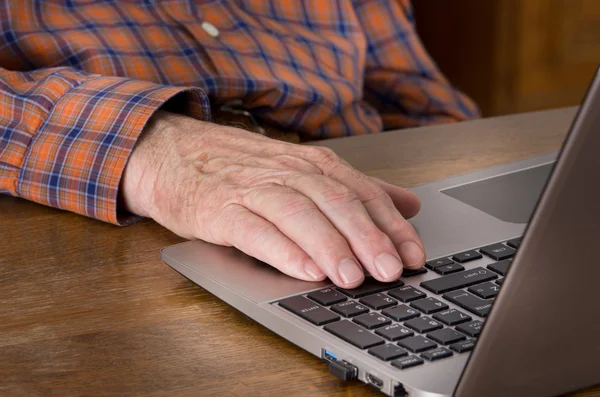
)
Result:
{"points": [[508, 303]]}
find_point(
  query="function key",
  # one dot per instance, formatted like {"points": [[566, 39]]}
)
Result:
{"points": [[412, 272], [470, 302], [452, 317], [368, 287], [423, 324], [407, 362], [394, 332], [378, 301], [388, 352], [486, 290], [446, 336], [407, 293], [401, 313], [349, 309], [449, 269], [308, 310], [463, 346], [354, 334], [472, 328], [501, 267], [429, 305], [498, 252], [438, 262], [372, 320], [417, 344], [467, 256], [515, 242], [327, 296], [436, 354]]}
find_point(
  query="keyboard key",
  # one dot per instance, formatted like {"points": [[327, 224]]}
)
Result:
{"points": [[407, 293], [463, 346], [472, 328], [499, 281], [486, 290], [407, 362], [501, 267], [354, 334], [370, 286], [308, 310], [417, 344], [349, 309], [467, 256], [452, 317], [429, 305], [412, 272], [438, 262], [515, 242], [458, 280], [388, 352], [498, 251], [394, 332], [449, 269], [437, 354], [401, 313], [446, 336], [327, 296], [423, 324], [372, 320], [470, 302], [378, 301]]}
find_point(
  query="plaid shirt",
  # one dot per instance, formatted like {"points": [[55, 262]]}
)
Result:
{"points": [[79, 80]]}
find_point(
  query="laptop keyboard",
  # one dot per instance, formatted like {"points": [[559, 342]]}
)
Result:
{"points": [[406, 325]]}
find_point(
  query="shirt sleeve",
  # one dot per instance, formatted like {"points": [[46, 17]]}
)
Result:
{"points": [[66, 135], [401, 80]]}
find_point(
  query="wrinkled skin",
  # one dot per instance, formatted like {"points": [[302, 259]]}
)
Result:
{"points": [[299, 208]]}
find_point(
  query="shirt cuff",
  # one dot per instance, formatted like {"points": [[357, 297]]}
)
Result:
{"points": [[78, 156]]}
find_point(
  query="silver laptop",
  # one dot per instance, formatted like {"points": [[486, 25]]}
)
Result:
{"points": [[423, 335]]}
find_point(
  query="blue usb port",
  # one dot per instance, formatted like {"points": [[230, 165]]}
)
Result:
{"points": [[328, 356]]}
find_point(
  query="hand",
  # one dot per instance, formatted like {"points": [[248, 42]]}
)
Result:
{"points": [[298, 208]]}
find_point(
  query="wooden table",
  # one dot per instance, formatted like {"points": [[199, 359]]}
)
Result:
{"points": [[88, 309]]}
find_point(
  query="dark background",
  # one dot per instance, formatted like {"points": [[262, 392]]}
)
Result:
{"points": [[514, 56]]}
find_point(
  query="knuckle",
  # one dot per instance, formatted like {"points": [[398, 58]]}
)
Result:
{"points": [[296, 206], [372, 193], [373, 234], [339, 194], [324, 156], [287, 161], [400, 226]]}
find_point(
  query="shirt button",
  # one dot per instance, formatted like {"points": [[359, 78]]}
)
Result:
{"points": [[210, 29]]}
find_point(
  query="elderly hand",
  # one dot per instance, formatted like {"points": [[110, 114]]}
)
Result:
{"points": [[298, 208]]}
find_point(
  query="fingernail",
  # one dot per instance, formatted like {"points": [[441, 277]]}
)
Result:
{"points": [[411, 253], [311, 268], [350, 271], [388, 265]]}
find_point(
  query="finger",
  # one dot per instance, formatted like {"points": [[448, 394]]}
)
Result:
{"points": [[382, 211], [346, 212], [260, 239], [405, 200], [301, 221]]}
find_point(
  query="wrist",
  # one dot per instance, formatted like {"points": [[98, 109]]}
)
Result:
{"points": [[141, 171]]}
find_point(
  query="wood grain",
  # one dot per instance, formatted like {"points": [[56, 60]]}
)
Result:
{"points": [[88, 309]]}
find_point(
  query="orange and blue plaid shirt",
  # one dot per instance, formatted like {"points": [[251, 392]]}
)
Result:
{"points": [[79, 80]]}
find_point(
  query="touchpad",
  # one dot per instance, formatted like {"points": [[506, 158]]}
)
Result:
{"points": [[510, 197]]}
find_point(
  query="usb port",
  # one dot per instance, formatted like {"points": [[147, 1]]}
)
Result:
{"points": [[328, 356], [374, 381]]}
